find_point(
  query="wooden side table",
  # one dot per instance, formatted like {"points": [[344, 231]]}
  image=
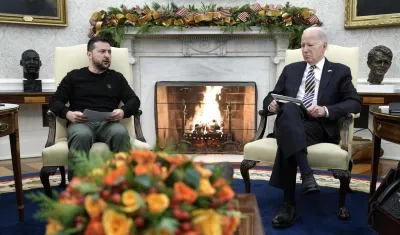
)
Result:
{"points": [[9, 126], [251, 224], [385, 126]]}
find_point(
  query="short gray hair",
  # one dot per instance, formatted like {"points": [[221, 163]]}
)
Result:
{"points": [[321, 32]]}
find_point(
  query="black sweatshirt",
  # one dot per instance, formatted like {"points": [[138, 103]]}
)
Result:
{"points": [[99, 92]]}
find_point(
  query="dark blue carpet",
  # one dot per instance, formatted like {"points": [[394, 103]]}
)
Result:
{"points": [[318, 212]]}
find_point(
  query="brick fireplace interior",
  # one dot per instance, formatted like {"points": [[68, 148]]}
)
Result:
{"points": [[205, 117]]}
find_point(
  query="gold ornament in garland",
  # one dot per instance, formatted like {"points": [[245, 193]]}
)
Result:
{"points": [[113, 23]]}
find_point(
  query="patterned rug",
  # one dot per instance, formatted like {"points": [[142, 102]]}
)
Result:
{"points": [[324, 178]]}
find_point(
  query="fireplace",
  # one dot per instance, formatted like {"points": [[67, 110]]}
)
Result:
{"points": [[205, 117], [197, 55]]}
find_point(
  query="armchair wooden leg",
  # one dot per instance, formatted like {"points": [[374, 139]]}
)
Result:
{"points": [[350, 168], [344, 176], [45, 173], [62, 173], [245, 166]]}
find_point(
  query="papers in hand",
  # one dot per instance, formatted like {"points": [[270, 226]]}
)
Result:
{"points": [[286, 99], [95, 116]]}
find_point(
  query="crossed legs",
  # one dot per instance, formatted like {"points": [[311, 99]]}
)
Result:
{"points": [[294, 135]]}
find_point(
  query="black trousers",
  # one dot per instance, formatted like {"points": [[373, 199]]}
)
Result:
{"points": [[293, 133]]}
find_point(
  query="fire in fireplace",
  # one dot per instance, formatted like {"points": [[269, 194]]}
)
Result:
{"points": [[205, 117]]}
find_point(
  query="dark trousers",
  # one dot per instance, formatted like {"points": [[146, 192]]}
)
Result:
{"points": [[293, 134], [81, 137]]}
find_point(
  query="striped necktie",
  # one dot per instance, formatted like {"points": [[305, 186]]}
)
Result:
{"points": [[310, 87]]}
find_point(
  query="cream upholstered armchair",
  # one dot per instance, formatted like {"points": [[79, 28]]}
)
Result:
{"points": [[55, 153], [326, 156]]}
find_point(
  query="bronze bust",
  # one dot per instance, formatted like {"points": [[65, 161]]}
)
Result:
{"points": [[379, 61], [30, 61]]}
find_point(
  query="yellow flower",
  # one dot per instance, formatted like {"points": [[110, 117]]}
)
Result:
{"points": [[53, 227], [204, 172], [94, 207], [207, 222], [120, 163], [129, 199], [205, 188], [157, 202], [121, 155], [98, 172], [115, 223]]}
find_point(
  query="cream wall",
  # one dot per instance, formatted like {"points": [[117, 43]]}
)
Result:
{"points": [[17, 38]]}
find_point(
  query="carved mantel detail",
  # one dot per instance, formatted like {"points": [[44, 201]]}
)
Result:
{"points": [[202, 54]]}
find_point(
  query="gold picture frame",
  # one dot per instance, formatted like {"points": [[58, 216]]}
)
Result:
{"points": [[34, 12], [371, 13]]}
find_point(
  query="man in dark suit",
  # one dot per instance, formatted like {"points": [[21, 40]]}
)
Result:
{"points": [[327, 91]]}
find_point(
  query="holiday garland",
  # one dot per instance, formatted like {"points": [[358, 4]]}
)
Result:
{"points": [[113, 23]]}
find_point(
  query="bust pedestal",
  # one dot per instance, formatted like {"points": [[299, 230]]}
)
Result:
{"points": [[31, 85]]}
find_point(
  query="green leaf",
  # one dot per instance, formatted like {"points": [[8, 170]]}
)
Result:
{"points": [[168, 224], [86, 188], [66, 214], [143, 180], [192, 178], [203, 202]]}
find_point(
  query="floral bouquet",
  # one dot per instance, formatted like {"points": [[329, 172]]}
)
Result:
{"points": [[142, 192]]}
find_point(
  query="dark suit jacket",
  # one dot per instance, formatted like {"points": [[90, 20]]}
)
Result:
{"points": [[336, 92]]}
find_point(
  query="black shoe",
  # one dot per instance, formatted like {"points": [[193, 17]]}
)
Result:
{"points": [[285, 216], [309, 185]]}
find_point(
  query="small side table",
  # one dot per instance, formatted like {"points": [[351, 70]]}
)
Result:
{"points": [[9, 126], [385, 126], [252, 223]]}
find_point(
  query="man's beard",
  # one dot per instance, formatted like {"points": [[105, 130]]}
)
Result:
{"points": [[100, 66]]}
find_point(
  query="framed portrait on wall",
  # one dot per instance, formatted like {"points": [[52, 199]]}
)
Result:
{"points": [[37, 12], [371, 13]]}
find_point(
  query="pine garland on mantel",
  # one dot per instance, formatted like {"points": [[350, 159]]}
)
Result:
{"points": [[113, 23]]}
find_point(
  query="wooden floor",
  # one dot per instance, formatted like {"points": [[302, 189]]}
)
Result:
{"points": [[32, 165]]}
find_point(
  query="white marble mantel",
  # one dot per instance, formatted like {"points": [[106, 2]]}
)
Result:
{"points": [[202, 54]]}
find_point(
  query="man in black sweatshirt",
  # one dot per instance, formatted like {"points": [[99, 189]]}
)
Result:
{"points": [[100, 89]]}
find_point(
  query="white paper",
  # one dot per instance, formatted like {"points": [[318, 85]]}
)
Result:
{"points": [[95, 116]]}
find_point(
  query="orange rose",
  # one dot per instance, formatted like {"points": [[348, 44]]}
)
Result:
{"points": [[147, 169], [113, 175], [94, 227], [157, 202], [53, 227], [230, 224], [177, 160], [184, 192], [219, 182], [94, 207], [116, 223], [142, 156], [130, 200], [226, 193]]}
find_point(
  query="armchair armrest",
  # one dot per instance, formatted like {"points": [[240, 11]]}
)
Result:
{"points": [[51, 118], [138, 127], [347, 135], [263, 124]]}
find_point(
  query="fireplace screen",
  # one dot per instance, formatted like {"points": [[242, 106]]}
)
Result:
{"points": [[205, 117]]}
